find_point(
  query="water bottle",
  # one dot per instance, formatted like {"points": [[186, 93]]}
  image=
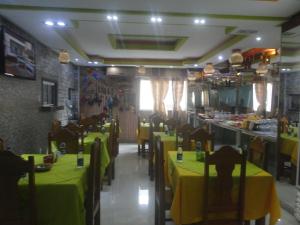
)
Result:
{"points": [[179, 154], [62, 148], [199, 155], [80, 161]]}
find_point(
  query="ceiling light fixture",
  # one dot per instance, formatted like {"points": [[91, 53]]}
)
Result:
{"points": [[220, 57], [258, 38], [202, 21], [236, 59], [195, 65], [89, 62], [112, 17], [49, 23], [95, 62], [61, 24], [76, 59], [196, 21], [112, 65], [156, 19]]}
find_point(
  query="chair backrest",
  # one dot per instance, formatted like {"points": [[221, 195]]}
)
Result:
{"points": [[2, 148], [56, 125], [160, 202], [184, 132], [219, 189], [75, 128], [112, 140], [155, 123], [207, 140], [66, 136], [12, 168], [284, 123], [89, 123], [94, 183], [172, 123], [257, 152]]}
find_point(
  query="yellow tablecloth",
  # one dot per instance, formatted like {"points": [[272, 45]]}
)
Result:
{"points": [[144, 132], [289, 146], [187, 179]]}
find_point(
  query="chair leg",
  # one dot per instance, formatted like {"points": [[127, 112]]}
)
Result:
{"points": [[109, 173], [151, 168], [139, 149], [261, 221], [113, 170], [143, 149], [97, 218]]}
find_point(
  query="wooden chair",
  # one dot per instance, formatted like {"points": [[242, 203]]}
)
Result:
{"points": [[172, 123], [257, 152], [12, 168], [76, 129], [2, 148], [69, 138], [218, 190], [155, 126], [143, 142], [94, 183], [161, 193], [89, 123], [207, 140], [117, 135], [56, 125], [111, 148], [184, 132]]}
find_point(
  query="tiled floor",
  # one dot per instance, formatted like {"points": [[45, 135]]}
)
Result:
{"points": [[129, 201]]}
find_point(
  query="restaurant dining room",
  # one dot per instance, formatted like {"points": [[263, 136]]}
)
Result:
{"points": [[161, 112]]}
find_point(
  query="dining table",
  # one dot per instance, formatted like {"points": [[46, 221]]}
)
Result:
{"points": [[289, 147], [60, 192], [187, 182], [87, 144]]}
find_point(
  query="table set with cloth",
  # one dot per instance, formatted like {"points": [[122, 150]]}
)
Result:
{"points": [[187, 181], [60, 192], [289, 147]]}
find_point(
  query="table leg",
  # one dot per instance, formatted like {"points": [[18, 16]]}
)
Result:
{"points": [[261, 221]]}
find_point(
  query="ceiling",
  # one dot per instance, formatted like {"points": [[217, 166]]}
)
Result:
{"points": [[135, 40]]}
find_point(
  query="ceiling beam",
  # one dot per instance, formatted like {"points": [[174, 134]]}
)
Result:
{"points": [[221, 47], [141, 12], [293, 22], [71, 41]]}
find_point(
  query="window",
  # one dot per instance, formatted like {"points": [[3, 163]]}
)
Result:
{"points": [[268, 98], [146, 96], [49, 93]]}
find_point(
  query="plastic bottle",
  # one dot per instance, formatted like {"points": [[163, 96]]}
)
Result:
{"points": [[80, 161], [179, 154]]}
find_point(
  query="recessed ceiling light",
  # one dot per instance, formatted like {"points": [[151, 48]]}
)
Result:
{"points": [[115, 18], [61, 23], [258, 38], [112, 65], [49, 23], [95, 62], [288, 69], [89, 62], [220, 57], [171, 66], [195, 65], [202, 21], [283, 69], [156, 19], [109, 17], [76, 59], [196, 21]]}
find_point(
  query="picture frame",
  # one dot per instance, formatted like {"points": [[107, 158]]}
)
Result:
{"points": [[17, 56]]}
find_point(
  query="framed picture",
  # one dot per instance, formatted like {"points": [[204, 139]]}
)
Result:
{"points": [[18, 56]]}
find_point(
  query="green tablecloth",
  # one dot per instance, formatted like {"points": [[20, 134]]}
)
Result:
{"points": [[60, 191], [87, 143]]}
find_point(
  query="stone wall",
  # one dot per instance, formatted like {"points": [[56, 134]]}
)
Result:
{"points": [[23, 126]]}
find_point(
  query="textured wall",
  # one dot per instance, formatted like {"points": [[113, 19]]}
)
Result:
{"points": [[23, 127]]}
